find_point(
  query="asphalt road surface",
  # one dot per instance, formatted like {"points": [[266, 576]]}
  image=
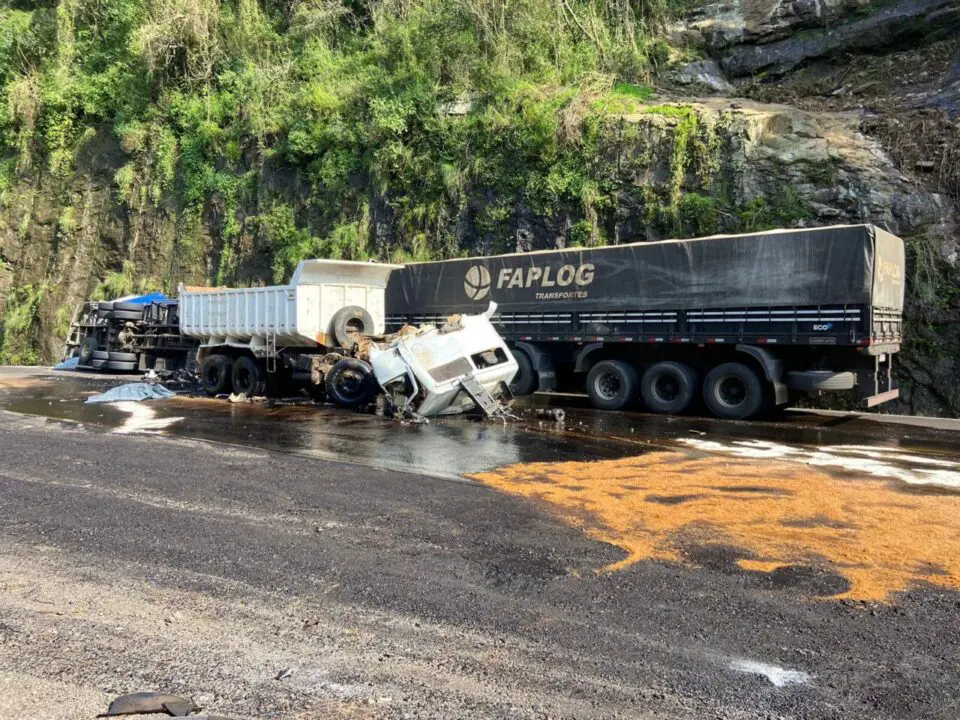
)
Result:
{"points": [[618, 565]]}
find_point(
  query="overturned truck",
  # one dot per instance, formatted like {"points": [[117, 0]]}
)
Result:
{"points": [[324, 332]]}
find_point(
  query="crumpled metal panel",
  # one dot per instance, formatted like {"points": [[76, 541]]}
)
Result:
{"points": [[145, 703]]}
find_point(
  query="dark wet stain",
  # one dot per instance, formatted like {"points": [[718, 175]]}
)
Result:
{"points": [[672, 499], [758, 489], [714, 556], [818, 521], [810, 580], [918, 489], [516, 568], [932, 569], [806, 579]]}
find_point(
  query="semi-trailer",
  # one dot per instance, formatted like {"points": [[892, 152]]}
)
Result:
{"points": [[736, 322]]}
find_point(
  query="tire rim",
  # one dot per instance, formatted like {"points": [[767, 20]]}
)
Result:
{"points": [[607, 386], [731, 391], [212, 376], [351, 384], [666, 388], [244, 380]]}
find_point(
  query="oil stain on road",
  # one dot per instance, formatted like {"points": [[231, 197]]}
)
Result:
{"points": [[771, 517]]}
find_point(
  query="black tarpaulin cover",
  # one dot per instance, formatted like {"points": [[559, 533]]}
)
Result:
{"points": [[857, 264]]}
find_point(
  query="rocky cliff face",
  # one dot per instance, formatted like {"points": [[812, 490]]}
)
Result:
{"points": [[889, 72], [770, 113]]}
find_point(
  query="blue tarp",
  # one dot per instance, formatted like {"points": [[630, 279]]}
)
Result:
{"points": [[147, 299], [68, 364], [132, 392]]}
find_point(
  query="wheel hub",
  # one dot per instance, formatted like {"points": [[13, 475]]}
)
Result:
{"points": [[351, 384], [731, 391], [666, 388], [607, 386]]}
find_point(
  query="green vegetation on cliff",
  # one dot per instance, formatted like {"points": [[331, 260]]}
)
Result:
{"points": [[383, 111]]}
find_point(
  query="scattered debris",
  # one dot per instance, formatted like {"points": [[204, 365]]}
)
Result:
{"points": [[284, 674], [237, 398], [178, 379], [145, 703], [555, 414], [131, 392]]}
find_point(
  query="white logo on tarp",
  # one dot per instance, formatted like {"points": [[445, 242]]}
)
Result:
{"points": [[477, 282]]}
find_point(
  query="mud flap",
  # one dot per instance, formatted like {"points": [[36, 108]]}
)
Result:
{"points": [[877, 385]]}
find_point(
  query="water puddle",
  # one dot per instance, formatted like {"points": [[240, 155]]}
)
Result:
{"points": [[863, 460]]}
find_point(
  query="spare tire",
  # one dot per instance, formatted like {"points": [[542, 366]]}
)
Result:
{"points": [[87, 348], [348, 324], [128, 306], [97, 364], [126, 314], [821, 380], [101, 355], [350, 383], [115, 356]]}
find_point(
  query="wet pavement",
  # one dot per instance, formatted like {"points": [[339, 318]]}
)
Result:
{"points": [[458, 446]]}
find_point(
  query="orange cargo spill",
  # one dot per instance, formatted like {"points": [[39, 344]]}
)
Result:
{"points": [[880, 538]]}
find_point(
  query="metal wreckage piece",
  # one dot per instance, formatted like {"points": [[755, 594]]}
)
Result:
{"points": [[157, 703]]}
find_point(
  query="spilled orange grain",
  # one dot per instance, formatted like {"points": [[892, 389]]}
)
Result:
{"points": [[882, 540]]}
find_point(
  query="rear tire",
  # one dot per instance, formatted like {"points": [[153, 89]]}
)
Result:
{"points": [[525, 382], [733, 391], [612, 384], [350, 383], [248, 378], [216, 375], [668, 387]]}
